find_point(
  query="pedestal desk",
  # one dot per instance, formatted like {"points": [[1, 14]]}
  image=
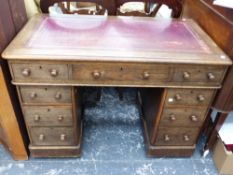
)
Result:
{"points": [[174, 64]]}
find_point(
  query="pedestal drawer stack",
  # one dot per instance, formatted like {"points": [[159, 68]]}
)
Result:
{"points": [[50, 114], [181, 120]]}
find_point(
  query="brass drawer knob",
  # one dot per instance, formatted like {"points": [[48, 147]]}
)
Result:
{"points": [[36, 118], [186, 75], [33, 95], [186, 138], [62, 137], [193, 118], [96, 74], [211, 76], [172, 117], [58, 96], [166, 138], [26, 72], [201, 98], [178, 97], [41, 137], [146, 75], [54, 72], [60, 118]]}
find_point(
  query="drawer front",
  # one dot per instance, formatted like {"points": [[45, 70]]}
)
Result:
{"points": [[120, 73], [45, 94], [201, 97], [204, 74], [48, 115], [34, 72], [52, 136], [189, 117], [176, 136]]}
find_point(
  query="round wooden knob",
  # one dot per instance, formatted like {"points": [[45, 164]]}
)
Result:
{"points": [[186, 138], [60, 118], [41, 137], [172, 117], [211, 76], [26, 72], [201, 98], [33, 95], [193, 118], [166, 138], [186, 75], [36, 118], [146, 75], [54, 73], [96, 74], [178, 97], [58, 96], [62, 137]]}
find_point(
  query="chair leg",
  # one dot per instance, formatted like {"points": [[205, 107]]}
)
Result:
{"points": [[98, 95], [120, 93]]}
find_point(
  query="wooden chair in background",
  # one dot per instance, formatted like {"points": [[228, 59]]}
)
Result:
{"points": [[82, 7], [151, 7]]}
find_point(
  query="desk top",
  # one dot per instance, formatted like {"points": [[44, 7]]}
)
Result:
{"points": [[100, 38]]}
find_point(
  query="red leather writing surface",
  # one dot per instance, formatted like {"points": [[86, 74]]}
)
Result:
{"points": [[131, 34]]}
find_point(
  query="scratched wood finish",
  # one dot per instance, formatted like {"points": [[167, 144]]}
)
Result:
{"points": [[189, 97], [39, 72], [52, 136], [46, 95], [177, 136], [48, 115], [186, 117]]}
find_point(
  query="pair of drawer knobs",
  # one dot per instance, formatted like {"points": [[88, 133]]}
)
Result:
{"points": [[167, 138], [97, 75], [42, 137], [187, 75], [172, 117], [200, 97], [37, 118], [57, 96], [27, 72]]}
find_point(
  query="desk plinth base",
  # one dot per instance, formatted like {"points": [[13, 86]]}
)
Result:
{"points": [[165, 151], [55, 151]]}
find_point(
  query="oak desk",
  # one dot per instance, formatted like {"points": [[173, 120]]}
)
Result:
{"points": [[54, 58]]}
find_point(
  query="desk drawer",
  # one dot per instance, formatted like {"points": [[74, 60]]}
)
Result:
{"points": [[203, 74], [48, 115], [52, 136], [176, 136], [189, 117], [200, 97], [45, 94], [120, 73], [35, 71]]}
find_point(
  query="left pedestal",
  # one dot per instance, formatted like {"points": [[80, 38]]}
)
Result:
{"points": [[53, 118]]}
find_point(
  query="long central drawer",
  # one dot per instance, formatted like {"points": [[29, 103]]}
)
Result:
{"points": [[120, 73]]}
